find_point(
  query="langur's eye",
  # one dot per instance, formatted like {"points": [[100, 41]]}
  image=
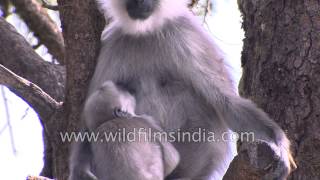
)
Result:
{"points": [[117, 111]]}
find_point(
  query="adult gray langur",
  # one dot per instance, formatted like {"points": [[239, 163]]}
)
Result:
{"points": [[157, 51], [109, 114]]}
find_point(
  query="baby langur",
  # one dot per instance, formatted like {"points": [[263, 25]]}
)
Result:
{"points": [[109, 111], [107, 103]]}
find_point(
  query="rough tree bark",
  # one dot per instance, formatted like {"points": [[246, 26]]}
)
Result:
{"points": [[82, 25], [281, 73]]}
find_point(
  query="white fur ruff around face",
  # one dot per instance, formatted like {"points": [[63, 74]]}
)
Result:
{"points": [[167, 9]]}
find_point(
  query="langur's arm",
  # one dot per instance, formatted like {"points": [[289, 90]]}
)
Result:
{"points": [[240, 114]]}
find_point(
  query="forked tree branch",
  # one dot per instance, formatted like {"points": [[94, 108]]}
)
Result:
{"points": [[18, 56]]}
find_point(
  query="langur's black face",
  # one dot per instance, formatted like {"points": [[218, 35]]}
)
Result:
{"points": [[141, 9], [142, 16]]}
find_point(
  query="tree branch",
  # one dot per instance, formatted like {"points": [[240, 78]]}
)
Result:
{"points": [[37, 178], [4, 7], [18, 56], [42, 25], [43, 103], [255, 161], [49, 6], [8, 119]]}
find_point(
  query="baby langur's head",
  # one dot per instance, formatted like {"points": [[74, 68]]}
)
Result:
{"points": [[107, 103], [140, 16]]}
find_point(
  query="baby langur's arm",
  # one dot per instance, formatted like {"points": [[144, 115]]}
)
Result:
{"points": [[80, 162]]}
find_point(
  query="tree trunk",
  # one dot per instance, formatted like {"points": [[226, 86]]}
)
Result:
{"points": [[82, 25], [281, 72]]}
